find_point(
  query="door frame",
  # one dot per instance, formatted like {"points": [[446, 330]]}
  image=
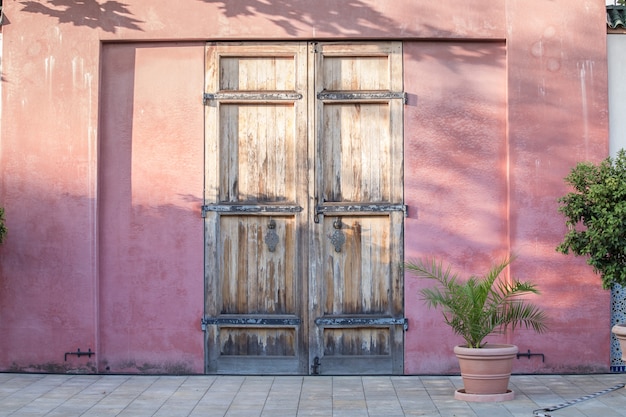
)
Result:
{"points": [[310, 334]]}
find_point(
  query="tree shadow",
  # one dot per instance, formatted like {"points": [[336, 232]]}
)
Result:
{"points": [[353, 16], [107, 15]]}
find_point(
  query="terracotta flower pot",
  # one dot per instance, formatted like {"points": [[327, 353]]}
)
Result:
{"points": [[619, 330], [486, 371]]}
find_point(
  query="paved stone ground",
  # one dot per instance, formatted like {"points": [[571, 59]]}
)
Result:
{"points": [[52, 395]]}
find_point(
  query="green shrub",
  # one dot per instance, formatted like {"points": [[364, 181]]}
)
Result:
{"points": [[3, 229], [596, 217]]}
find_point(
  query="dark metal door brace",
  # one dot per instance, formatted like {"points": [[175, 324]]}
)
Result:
{"points": [[541, 412], [251, 96], [249, 321], [249, 208], [361, 95], [362, 321], [363, 208]]}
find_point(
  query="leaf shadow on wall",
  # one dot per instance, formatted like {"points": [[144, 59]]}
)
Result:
{"points": [[344, 17], [107, 15]]}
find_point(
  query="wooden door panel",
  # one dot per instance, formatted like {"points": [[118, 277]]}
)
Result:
{"points": [[255, 208], [358, 351], [268, 342], [353, 67], [357, 275], [258, 277], [259, 150], [254, 73], [359, 323], [357, 342], [356, 73], [357, 153]]}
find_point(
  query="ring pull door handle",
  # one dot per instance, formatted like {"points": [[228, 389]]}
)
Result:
{"points": [[338, 238], [271, 237]]}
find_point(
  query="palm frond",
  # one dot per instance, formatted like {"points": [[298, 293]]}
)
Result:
{"points": [[482, 305]]}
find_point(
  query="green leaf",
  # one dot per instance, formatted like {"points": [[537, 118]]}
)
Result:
{"points": [[481, 305], [3, 229], [595, 217]]}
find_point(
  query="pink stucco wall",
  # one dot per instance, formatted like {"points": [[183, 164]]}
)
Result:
{"points": [[557, 116], [457, 211], [101, 166], [150, 228]]}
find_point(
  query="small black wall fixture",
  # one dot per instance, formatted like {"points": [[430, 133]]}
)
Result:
{"points": [[528, 355], [79, 353]]}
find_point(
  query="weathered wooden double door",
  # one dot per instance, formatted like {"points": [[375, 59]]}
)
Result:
{"points": [[304, 208]]}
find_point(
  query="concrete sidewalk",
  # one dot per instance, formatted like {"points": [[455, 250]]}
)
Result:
{"points": [[50, 395]]}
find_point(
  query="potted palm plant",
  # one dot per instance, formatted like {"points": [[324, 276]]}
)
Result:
{"points": [[595, 213], [475, 308]]}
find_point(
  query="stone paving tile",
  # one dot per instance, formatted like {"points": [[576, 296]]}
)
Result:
{"points": [[11, 383], [25, 395], [185, 399], [492, 409], [615, 402]]}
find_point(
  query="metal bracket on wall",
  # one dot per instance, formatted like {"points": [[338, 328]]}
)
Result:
{"points": [[528, 355], [79, 353]]}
